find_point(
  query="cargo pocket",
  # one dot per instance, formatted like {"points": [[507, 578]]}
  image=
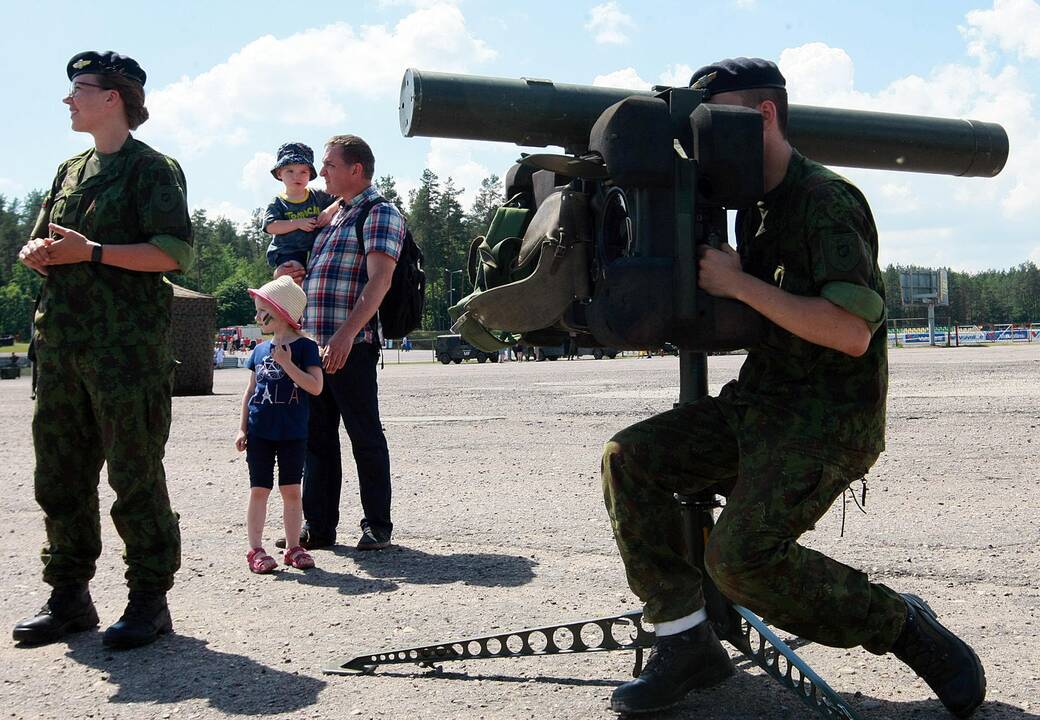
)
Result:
{"points": [[808, 491]]}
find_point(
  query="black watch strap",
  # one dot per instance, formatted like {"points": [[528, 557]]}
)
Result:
{"points": [[95, 254]]}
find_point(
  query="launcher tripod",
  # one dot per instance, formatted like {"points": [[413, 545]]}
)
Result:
{"points": [[737, 625]]}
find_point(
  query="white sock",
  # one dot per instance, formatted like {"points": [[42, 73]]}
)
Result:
{"points": [[674, 627]]}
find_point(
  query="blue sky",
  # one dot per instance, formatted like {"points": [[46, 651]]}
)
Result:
{"points": [[229, 82]]}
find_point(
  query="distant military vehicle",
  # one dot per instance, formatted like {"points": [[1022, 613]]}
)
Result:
{"points": [[598, 352], [453, 349]]}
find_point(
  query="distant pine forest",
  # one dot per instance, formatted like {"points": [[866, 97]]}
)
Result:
{"points": [[230, 258]]}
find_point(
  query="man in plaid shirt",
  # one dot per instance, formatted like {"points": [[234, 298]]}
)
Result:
{"points": [[345, 287]]}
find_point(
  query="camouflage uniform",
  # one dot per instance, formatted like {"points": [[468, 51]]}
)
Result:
{"points": [[105, 371], [782, 442]]}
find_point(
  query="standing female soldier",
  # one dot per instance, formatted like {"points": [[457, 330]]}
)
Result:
{"points": [[115, 219]]}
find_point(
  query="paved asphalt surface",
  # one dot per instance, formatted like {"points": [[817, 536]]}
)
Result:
{"points": [[500, 526]]}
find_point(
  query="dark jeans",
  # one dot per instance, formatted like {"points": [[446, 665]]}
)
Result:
{"points": [[350, 394], [260, 457]]}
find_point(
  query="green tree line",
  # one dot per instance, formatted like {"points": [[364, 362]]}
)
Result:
{"points": [[229, 259]]}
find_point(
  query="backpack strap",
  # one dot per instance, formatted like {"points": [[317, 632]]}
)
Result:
{"points": [[359, 224], [359, 231]]}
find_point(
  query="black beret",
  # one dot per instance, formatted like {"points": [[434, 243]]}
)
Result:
{"points": [[737, 74], [105, 63]]}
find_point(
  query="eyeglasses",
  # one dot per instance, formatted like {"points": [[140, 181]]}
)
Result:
{"points": [[77, 86]]}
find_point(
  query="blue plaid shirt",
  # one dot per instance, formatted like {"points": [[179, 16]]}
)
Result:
{"points": [[336, 268]]}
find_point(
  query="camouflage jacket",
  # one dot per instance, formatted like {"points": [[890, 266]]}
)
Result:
{"points": [[813, 235], [136, 196]]}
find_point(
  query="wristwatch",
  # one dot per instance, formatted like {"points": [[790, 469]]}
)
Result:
{"points": [[95, 253]]}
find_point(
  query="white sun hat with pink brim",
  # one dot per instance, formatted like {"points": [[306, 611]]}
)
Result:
{"points": [[285, 297]]}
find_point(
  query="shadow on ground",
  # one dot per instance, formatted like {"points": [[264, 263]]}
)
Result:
{"points": [[408, 565], [180, 668], [747, 696], [344, 583]]}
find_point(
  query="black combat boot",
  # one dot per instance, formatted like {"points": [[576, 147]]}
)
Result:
{"points": [[69, 609], [146, 618], [678, 663], [940, 658]]}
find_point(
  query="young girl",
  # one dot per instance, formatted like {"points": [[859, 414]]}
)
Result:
{"points": [[274, 417]]}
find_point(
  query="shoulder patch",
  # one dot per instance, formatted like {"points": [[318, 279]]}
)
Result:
{"points": [[165, 199], [843, 252]]}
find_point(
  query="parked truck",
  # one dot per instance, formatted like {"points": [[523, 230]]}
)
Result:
{"points": [[453, 349]]}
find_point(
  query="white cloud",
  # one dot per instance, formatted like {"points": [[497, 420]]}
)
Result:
{"points": [[746, 4], [415, 3], [627, 78], [454, 159], [1034, 256], [11, 189], [1013, 25], [673, 76], [310, 78], [818, 74], [921, 246], [256, 175], [222, 208], [821, 75], [676, 76], [405, 187], [608, 24], [899, 197]]}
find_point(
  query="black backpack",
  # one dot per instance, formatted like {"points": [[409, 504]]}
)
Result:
{"points": [[401, 310]]}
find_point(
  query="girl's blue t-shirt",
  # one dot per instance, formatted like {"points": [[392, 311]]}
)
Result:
{"points": [[278, 407]]}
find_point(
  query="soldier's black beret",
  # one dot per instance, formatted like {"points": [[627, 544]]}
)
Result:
{"points": [[105, 63], [737, 74]]}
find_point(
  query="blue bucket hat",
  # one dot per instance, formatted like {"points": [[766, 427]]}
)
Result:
{"points": [[294, 154]]}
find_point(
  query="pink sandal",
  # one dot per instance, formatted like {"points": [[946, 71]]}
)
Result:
{"points": [[297, 557], [260, 562]]}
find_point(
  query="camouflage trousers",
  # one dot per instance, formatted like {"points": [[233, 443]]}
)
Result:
{"points": [[98, 405], [774, 493]]}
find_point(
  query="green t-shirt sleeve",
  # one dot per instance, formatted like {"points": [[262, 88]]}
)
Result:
{"points": [[859, 300], [176, 248]]}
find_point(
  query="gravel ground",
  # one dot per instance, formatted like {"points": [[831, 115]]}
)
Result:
{"points": [[500, 526]]}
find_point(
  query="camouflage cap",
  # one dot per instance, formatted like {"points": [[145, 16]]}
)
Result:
{"points": [[737, 74], [294, 153], [109, 62]]}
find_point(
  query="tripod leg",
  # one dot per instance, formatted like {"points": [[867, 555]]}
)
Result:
{"points": [[616, 632], [698, 521]]}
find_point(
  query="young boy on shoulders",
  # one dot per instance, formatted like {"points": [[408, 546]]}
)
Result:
{"points": [[294, 216]]}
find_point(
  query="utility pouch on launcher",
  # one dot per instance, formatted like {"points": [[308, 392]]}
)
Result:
{"points": [[525, 283]]}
